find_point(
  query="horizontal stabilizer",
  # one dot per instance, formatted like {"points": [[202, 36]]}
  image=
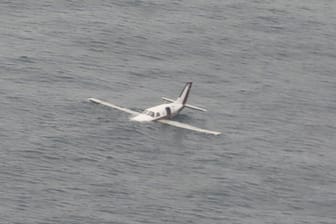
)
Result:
{"points": [[195, 107], [167, 99]]}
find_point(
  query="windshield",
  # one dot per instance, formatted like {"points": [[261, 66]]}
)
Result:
{"points": [[149, 113]]}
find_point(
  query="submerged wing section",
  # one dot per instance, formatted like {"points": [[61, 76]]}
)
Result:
{"points": [[94, 100], [187, 126]]}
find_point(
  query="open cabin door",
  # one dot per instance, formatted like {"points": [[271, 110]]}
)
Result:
{"points": [[168, 112]]}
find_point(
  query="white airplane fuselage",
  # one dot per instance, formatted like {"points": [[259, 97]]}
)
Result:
{"points": [[167, 111]]}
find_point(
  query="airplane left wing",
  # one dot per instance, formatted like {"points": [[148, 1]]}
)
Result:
{"points": [[94, 100], [187, 126]]}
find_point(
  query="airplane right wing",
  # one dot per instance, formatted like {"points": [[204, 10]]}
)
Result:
{"points": [[187, 126]]}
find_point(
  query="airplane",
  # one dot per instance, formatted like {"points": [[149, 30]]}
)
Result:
{"points": [[163, 113]]}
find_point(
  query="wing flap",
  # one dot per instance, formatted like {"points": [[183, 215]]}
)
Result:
{"points": [[187, 126], [94, 100]]}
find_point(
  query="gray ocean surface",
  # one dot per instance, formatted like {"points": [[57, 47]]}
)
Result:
{"points": [[265, 70]]}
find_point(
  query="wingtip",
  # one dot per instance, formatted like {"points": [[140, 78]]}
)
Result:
{"points": [[93, 100]]}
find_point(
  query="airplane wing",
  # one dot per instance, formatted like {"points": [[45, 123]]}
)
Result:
{"points": [[187, 126], [94, 100]]}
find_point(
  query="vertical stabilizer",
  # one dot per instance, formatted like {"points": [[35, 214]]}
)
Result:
{"points": [[184, 94]]}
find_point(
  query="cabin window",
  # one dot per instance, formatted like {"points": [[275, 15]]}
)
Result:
{"points": [[158, 114]]}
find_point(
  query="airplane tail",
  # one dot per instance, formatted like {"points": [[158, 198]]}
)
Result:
{"points": [[183, 97]]}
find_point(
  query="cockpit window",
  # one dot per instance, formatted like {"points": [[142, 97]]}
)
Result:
{"points": [[149, 113]]}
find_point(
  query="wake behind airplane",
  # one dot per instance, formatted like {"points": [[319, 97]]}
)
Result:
{"points": [[163, 113]]}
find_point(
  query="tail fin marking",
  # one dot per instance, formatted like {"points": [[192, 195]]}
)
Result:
{"points": [[184, 94]]}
